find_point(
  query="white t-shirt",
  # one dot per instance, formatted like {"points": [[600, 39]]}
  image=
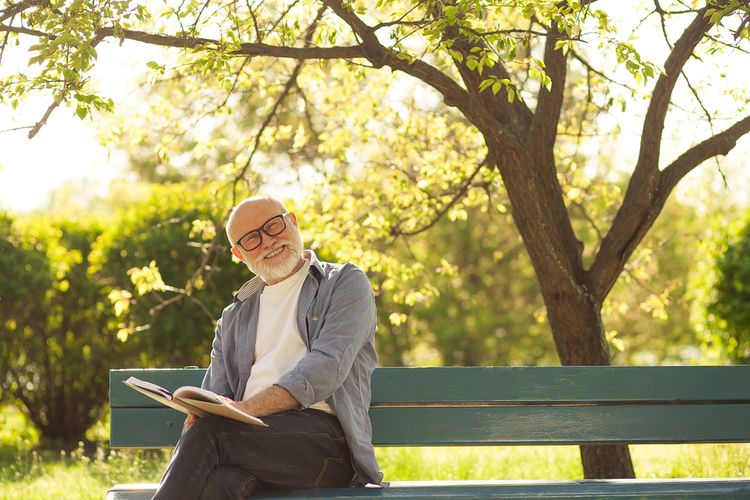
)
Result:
{"points": [[278, 344]]}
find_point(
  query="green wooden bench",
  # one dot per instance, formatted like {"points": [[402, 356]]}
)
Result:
{"points": [[504, 406]]}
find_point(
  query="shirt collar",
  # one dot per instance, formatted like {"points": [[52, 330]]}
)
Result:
{"points": [[256, 284]]}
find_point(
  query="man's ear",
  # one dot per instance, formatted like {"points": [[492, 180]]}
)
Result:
{"points": [[293, 218], [236, 252]]}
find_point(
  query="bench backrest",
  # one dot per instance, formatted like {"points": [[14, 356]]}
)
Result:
{"points": [[503, 405]]}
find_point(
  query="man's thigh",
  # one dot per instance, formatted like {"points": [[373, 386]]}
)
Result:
{"points": [[298, 449]]}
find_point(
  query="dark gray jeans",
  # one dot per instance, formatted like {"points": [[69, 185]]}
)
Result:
{"points": [[220, 458]]}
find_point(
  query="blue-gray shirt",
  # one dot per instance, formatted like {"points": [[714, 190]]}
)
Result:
{"points": [[336, 319]]}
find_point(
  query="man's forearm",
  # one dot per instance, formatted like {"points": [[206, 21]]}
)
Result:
{"points": [[274, 399]]}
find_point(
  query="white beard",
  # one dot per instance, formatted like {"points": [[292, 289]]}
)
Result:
{"points": [[281, 270]]}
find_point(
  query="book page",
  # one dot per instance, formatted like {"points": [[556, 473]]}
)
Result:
{"points": [[198, 394], [146, 388]]}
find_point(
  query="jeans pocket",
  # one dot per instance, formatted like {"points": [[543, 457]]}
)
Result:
{"points": [[334, 472]]}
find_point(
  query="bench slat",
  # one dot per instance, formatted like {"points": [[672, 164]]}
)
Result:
{"points": [[150, 427], [561, 383], [517, 425], [507, 384], [561, 425]]}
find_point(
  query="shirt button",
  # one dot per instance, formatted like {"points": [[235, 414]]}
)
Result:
{"points": [[315, 318]]}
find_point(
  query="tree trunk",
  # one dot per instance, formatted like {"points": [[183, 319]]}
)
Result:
{"points": [[578, 332], [606, 461], [573, 310]]}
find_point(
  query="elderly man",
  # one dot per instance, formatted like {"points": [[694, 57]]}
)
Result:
{"points": [[295, 347]]}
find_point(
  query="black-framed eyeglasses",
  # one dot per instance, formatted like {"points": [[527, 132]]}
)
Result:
{"points": [[272, 227]]}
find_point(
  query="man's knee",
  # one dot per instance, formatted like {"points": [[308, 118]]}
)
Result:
{"points": [[201, 435], [205, 426], [228, 483]]}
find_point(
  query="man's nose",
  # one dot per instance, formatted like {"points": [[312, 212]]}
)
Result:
{"points": [[267, 241]]}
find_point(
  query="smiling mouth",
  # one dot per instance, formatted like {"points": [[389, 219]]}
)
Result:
{"points": [[274, 253]]}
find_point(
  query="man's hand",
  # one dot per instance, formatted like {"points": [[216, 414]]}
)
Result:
{"points": [[274, 399], [189, 421]]}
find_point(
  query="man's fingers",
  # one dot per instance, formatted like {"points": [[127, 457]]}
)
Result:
{"points": [[189, 421]]}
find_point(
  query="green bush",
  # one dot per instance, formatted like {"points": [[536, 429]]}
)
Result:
{"points": [[55, 337], [731, 303], [59, 331], [168, 269]]}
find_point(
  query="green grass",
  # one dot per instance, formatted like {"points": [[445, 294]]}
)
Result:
{"points": [[559, 462], [412, 464], [29, 474]]}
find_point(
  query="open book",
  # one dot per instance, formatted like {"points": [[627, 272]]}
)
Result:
{"points": [[191, 400]]}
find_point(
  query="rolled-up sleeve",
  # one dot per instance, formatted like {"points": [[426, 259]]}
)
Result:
{"points": [[349, 322]]}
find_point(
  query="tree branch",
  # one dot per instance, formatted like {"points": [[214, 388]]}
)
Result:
{"points": [[736, 48], [38, 125], [653, 125], [258, 35], [540, 143], [719, 144], [586, 64], [245, 49], [547, 115], [513, 116], [291, 82], [2, 47], [643, 200], [700, 101], [266, 122], [62, 95], [187, 42], [370, 49], [25, 31], [457, 196], [422, 23], [453, 94], [16, 8]]}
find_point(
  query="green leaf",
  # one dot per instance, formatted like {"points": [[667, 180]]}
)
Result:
{"points": [[485, 83], [547, 83], [82, 111]]}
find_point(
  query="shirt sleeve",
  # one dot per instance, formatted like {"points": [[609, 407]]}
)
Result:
{"points": [[347, 325], [215, 378]]}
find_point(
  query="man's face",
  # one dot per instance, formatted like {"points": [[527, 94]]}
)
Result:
{"points": [[277, 256]]}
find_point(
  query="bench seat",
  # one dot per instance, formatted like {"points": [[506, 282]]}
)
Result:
{"points": [[590, 488]]}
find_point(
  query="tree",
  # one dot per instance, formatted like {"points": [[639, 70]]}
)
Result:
{"points": [[505, 69]]}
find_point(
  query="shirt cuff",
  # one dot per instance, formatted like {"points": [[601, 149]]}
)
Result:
{"points": [[298, 387]]}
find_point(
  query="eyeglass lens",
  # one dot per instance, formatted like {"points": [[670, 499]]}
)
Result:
{"points": [[272, 227]]}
